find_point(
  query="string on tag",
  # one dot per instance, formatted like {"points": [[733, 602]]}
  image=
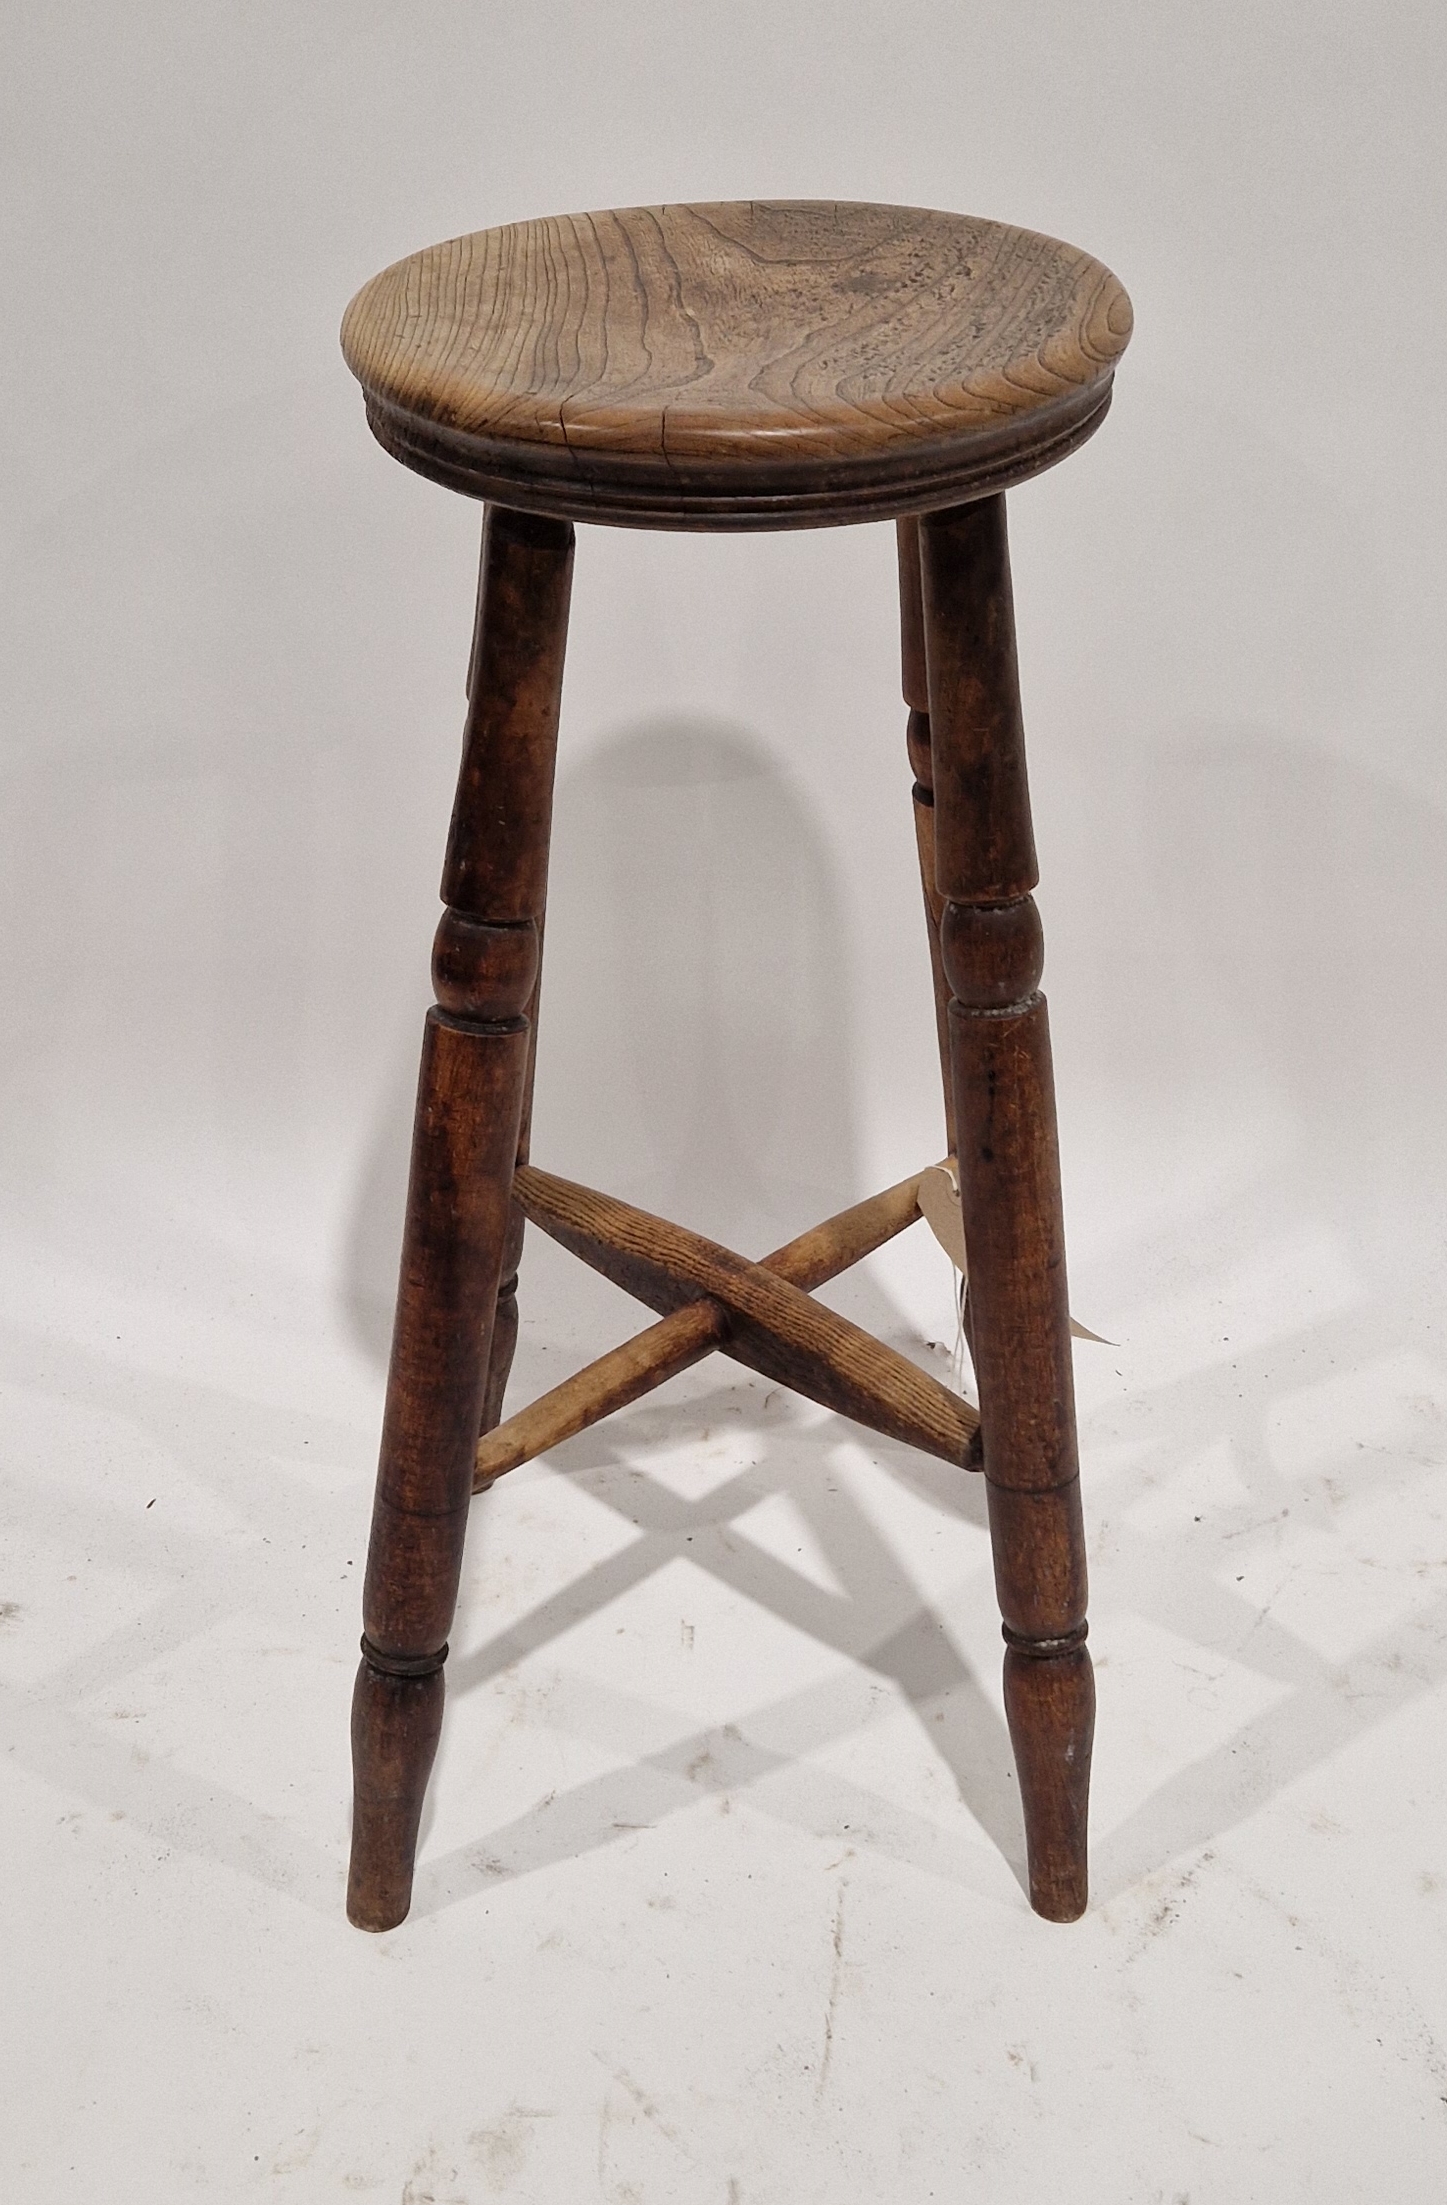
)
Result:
{"points": [[957, 1359]]}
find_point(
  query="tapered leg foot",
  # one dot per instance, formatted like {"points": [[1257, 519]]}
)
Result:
{"points": [[1050, 1707], [396, 1722]]}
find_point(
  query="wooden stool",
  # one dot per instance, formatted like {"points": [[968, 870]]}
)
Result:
{"points": [[738, 366]]}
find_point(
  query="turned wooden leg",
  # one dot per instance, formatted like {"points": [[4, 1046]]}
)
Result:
{"points": [[993, 953], [505, 1316], [921, 759], [464, 1146], [503, 1344]]}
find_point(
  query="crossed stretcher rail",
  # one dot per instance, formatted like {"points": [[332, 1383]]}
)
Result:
{"points": [[762, 1314]]}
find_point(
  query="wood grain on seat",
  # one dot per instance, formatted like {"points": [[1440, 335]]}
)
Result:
{"points": [[746, 364]]}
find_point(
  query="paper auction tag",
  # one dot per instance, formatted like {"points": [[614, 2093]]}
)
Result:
{"points": [[939, 1205], [938, 1197]]}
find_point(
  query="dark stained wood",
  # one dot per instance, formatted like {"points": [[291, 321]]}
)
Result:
{"points": [[497, 849], [685, 1336], [913, 670], [1050, 1708], [396, 1723], [505, 1320], [738, 365], [993, 952], [1038, 1540], [984, 843], [921, 758], [503, 1344], [541, 711], [774, 1328], [734, 366], [465, 1142]]}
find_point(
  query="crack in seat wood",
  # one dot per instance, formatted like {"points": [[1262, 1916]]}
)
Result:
{"points": [[739, 366]]}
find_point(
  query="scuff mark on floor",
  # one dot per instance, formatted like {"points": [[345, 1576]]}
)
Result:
{"points": [[651, 2114], [431, 2183], [835, 1980], [502, 2147]]}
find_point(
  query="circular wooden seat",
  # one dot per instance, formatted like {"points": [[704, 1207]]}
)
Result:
{"points": [[743, 365]]}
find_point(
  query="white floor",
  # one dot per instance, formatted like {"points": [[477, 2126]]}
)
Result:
{"points": [[719, 1896]]}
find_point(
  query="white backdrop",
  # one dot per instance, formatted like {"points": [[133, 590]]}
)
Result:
{"points": [[232, 644], [234, 637]]}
